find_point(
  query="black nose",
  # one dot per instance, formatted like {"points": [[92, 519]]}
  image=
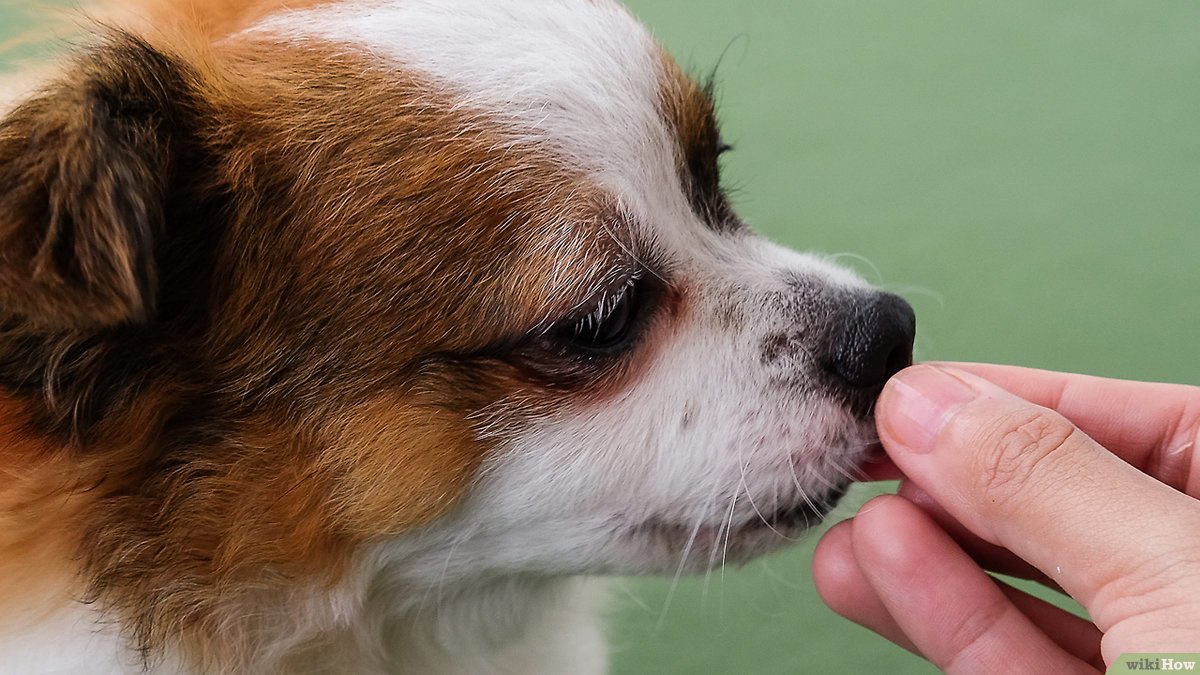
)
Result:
{"points": [[876, 342]]}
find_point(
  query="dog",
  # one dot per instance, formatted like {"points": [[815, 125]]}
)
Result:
{"points": [[356, 336]]}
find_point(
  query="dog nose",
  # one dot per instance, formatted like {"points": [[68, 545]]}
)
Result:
{"points": [[876, 342]]}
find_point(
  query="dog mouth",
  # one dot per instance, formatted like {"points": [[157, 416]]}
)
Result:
{"points": [[877, 466], [751, 526], [804, 515], [739, 540]]}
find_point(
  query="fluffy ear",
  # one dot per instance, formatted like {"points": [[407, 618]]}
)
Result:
{"points": [[84, 170]]}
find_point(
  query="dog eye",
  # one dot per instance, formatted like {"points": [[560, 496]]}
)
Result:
{"points": [[609, 325]]}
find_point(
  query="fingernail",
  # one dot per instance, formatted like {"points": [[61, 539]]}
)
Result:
{"points": [[920, 402]]}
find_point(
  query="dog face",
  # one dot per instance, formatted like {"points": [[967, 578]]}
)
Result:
{"points": [[447, 287], [710, 415]]}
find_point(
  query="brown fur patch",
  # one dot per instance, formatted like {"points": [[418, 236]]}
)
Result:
{"points": [[401, 464], [348, 266], [81, 171], [689, 111]]}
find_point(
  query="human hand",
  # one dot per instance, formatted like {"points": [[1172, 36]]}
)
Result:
{"points": [[1095, 493]]}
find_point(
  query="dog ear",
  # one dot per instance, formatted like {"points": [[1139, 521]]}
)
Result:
{"points": [[84, 170]]}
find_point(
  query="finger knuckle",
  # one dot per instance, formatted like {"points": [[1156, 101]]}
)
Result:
{"points": [[1142, 584], [1013, 456]]}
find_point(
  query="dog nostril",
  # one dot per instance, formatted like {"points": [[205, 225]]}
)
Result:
{"points": [[876, 343]]}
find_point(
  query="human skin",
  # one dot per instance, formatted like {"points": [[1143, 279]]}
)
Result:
{"points": [[1086, 484]]}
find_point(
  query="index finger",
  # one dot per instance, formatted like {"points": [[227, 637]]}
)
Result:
{"points": [[1153, 426], [1023, 477]]}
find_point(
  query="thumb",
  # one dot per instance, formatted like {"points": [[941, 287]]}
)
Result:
{"points": [[1023, 477]]}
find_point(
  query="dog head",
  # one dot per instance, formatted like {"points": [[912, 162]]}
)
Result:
{"points": [[452, 286]]}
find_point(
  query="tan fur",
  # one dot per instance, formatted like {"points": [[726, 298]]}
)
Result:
{"points": [[40, 506]]}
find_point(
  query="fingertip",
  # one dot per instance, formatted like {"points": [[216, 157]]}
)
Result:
{"points": [[889, 536], [878, 502], [835, 572], [846, 590]]}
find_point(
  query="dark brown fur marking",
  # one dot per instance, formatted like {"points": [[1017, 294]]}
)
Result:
{"points": [[689, 111]]}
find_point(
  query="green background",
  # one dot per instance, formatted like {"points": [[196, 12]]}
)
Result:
{"points": [[1026, 173]]}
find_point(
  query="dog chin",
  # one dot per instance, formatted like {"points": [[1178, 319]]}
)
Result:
{"points": [[702, 546], [673, 544]]}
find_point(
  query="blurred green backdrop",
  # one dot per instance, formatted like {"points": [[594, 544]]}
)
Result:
{"points": [[1026, 173]]}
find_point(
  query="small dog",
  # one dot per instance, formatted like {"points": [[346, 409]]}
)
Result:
{"points": [[350, 336]]}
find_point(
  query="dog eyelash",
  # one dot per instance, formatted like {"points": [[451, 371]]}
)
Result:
{"points": [[609, 325], [609, 302]]}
